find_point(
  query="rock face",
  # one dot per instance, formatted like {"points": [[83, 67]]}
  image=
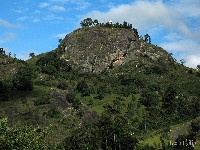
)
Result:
{"points": [[95, 49]]}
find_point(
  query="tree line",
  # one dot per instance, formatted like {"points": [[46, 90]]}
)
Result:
{"points": [[88, 22]]}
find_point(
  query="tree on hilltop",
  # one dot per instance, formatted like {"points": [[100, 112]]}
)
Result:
{"points": [[32, 55], [182, 61], [95, 22], [198, 67], [125, 24], [147, 38], [2, 51], [86, 22]]}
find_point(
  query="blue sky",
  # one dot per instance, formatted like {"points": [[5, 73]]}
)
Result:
{"points": [[36, 25]]}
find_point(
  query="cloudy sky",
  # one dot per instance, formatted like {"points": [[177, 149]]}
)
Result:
{"points": [[36, 25]]}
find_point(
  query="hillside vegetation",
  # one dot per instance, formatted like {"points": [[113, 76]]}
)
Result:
{"points": [[102, 88]]}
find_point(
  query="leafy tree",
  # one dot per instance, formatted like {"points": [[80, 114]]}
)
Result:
{"points": [[95, 22], [195, 124], [2, 51], [23, 79], [136, 113], [136, 33], [198, 67], [169, 100], [50, 70], [117, 106], [147, 38], [130, 26], [50, 63], [149, 99], [182, 61], [86, 22], [27, 138], [115, 130], [82, 87], [70, 97], [123, 136], [125, 24], [4, 91], [117, 25], [9, 54], [86, 137], [59, 40], [32, 55]]}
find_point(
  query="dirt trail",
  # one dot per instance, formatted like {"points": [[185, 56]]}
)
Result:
{"points": [[179, 131]]}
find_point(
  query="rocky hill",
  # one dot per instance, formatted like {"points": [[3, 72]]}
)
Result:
{"points": [[95, 49], [102, 88]]}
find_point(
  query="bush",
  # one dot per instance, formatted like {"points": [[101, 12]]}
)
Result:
{"points": [[21, 138], [82, 87], [4, 91], [53, 113], [23, 79], [195, 125], [70, 97], [41, 101], [63, 85]]}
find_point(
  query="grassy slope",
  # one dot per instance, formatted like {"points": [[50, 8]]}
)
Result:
{"points": [[22, 112], [153, 138]]}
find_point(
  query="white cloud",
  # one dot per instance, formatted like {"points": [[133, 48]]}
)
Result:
{"points": [[187, 7], [186, 46], [36, 20], [37, 12], [60, 35], [172, 37], [57, 8], [7, 37], [82, 5], [53, 18], [20, 10], [60, 1], [7, 24], [23, 18], [184, 49], [193, 61], [44, 4], [144, 15]]}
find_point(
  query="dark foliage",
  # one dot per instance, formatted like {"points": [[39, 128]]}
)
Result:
{"points": [[82, 87], [23, 79], [4, 91], [41, 101]]}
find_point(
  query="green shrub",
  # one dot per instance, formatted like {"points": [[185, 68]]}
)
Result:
{"points": [[26, 138], [23, 79], [82, 87], [63, 85], [4, 91], [53, 113], [41, 101]]}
